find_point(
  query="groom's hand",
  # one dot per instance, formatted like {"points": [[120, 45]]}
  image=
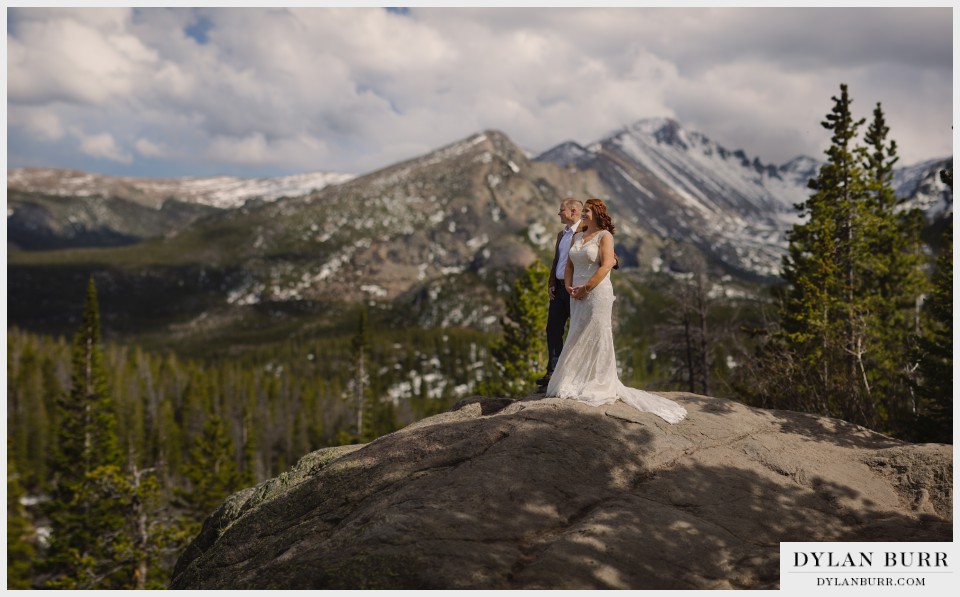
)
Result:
{"points": [[551, 291]]}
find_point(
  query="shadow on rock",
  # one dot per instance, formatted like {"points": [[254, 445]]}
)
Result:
{"points": [[553, 494]]}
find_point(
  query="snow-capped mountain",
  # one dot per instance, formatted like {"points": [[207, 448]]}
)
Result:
{"points": [[687, 187], [666, 185], [222, 192], [921, 185]]}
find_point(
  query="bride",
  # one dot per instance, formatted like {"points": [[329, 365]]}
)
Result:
{"points": [[587, 369]]}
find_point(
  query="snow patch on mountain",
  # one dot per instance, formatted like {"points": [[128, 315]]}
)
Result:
{"points": [[921, 183], [219, 191]]}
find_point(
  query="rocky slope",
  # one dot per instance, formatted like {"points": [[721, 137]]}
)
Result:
{"points": [[37, 222], [553, 494], [477, 205], [441, 235]]}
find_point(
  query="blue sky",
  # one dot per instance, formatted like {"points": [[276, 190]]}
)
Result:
{"points": [[159, 92]]}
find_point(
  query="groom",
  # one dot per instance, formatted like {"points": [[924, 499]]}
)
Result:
{"points": [[559, 313]]}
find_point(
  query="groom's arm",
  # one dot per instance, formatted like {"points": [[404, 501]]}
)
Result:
{"points": [[552, 282], [568, 274]]}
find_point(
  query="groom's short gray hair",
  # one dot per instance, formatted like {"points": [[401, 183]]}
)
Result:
{"points": [[568, 201]]}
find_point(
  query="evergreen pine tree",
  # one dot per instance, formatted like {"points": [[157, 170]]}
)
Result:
{"points": [[853, 268], [86, 527], [44, 437], [211, 471], [822, 320], [817, 307], [128, 549], [521, 352], [359, 386], [935, 387], [380, 419], [20, 531], [893, 282], [248, 475], [169, 453], [88, 436], [153, 532]]}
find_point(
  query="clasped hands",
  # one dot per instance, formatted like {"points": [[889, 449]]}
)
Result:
{"points": [[578, 292]]}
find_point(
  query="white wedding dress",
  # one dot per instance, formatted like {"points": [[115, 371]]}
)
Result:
{"points": [[587, 369]]}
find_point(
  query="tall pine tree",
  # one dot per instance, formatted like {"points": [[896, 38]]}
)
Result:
{"points": [[212, 472], [20, 531], [893, 283], [817, 317], [86, 528], [359, 386], [935, 350], [521, 352], [854, 276], [87, 435]]}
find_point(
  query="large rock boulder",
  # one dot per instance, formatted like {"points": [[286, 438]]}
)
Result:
{"points": [[554, 494]]}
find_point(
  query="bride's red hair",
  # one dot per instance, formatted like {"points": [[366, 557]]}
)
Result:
{"points": [[599, 209]]}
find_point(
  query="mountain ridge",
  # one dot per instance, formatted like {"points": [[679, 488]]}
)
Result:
{"points": [[227, 192], [658, 176], [441, 234], [222, 192]]}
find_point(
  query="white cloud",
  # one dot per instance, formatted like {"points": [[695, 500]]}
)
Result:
{"points": [[354, 89], [41, 123], [100, 145], [71, 61], [148, 148], [247, 150], [303, 152]]}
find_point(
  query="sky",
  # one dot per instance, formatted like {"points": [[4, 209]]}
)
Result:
{"points": [[173, 92]]}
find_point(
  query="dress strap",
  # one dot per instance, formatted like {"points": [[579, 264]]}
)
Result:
{"points": [[597, 236]]}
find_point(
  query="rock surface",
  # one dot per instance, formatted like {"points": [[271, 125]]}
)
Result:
{"points": [[553, 494]]}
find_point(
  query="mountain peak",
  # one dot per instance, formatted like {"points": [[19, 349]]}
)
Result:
{"points": [[800, 162], [565, 154], [490, 140], [655, 124]]}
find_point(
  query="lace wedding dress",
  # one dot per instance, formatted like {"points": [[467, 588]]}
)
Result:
{"points": [[587, 369]]}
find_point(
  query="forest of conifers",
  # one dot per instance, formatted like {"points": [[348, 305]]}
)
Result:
{"points": [[116, 455], [272, 406]]}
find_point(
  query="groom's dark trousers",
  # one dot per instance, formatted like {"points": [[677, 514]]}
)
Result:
{"points": [[558, 313], [557, 318]]}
